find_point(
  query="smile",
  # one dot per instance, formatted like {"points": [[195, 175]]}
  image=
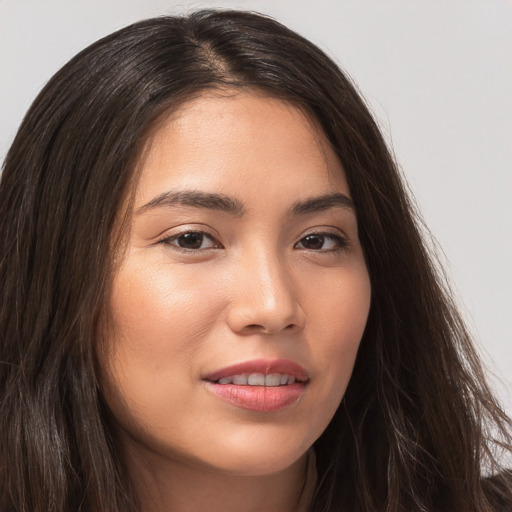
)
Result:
{"points": [[263, 386], [260, 372], [259, 379]]}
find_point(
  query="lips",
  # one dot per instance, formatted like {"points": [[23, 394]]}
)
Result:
{"points": [[259, 385], [263, 367], [259, 379]]}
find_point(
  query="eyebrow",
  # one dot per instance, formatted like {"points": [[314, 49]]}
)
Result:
{"points": [[325, 202], [234, 207], [195, 199]]}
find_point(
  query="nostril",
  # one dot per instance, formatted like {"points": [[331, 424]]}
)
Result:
{"points": [[251, 328], [249, 318]]}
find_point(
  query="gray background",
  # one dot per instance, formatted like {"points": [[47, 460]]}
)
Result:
{"points": [[438, 76]]}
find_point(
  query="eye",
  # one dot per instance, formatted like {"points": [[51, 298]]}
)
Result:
{"points": [[192, 241], [323, 242]]}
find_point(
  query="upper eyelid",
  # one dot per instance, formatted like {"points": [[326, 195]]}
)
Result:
{"points": [[325, 230], [188, 228], [177, 235], [325, 234]]}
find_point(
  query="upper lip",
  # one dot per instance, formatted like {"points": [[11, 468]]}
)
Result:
{"points": [[264, 366]]}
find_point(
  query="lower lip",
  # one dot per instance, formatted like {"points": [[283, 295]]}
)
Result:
{"points": [[259, 398]]}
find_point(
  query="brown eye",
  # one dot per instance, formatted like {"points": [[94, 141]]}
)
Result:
{"points": [[191, 241], [314, 242], [322, 242]]}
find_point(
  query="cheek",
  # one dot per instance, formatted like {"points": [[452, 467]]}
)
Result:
{"points": [[159, 318], [161, 309], [340, 304], [340, 315]]}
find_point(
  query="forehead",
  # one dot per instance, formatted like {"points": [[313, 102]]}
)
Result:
{"points": [[237, 141]]}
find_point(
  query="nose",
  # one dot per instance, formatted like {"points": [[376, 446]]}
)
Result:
{"points": [[265, 298]]}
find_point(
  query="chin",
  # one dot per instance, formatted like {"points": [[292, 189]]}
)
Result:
{"points": [[259, 453], [260, 464]]}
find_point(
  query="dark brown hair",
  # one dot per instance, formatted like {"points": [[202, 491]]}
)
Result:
{"points": [[418, 428]]}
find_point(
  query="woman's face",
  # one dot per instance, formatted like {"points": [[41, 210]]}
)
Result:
{"points": [[243, 273]]}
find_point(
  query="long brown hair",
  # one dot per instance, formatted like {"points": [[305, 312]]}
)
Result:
{"points": [[418, 428]]}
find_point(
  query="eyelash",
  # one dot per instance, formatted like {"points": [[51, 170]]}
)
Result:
{"points": [[341, 242], [169, 241]]}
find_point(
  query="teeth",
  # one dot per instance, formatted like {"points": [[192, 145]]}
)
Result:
{"points": [[274, 379], [240, 380], [258, 379]]}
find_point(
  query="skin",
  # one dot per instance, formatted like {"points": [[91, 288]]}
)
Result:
{"points": [[254, 286]]}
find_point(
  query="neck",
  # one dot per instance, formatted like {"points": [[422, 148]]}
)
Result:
{"points": [[165, 485]]}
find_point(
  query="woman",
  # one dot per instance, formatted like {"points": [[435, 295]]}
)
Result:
{"points": [[215, 294]]}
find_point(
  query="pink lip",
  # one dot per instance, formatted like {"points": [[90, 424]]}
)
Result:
{"points": [[264, 366], [259, 398]]}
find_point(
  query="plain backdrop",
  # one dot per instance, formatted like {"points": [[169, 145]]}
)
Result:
{"points": [[438, 76]]}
